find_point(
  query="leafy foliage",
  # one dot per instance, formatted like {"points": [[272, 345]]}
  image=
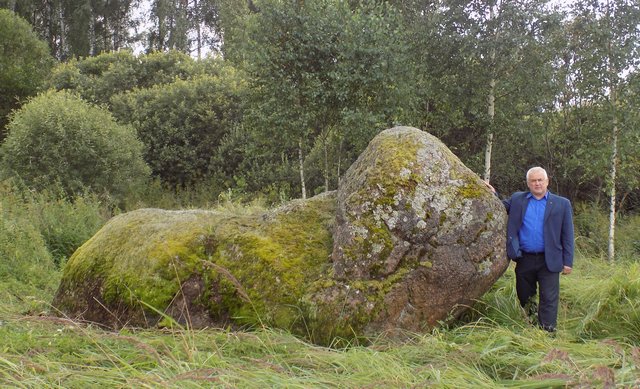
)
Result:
{"points": [[25, 63], [59, 138], [318, 68], [182, 124], [97, 79]]}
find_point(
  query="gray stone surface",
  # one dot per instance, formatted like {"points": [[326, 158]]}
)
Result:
{"points": [[411, 212]]}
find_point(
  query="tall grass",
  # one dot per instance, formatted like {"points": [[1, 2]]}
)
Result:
{"points": [[201, 196], [597, 344], [605, 303], [592, 233], [38, 231], [46, 352]]}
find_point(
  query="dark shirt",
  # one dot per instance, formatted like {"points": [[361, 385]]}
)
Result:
{"points": [[531, 232]]}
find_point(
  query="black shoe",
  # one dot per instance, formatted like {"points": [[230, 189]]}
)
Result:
{"points": [[549, 329]]}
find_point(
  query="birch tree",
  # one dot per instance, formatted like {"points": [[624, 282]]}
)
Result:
{"points": [[488, 66], [318, 67], [606, 39], [510, 48]]}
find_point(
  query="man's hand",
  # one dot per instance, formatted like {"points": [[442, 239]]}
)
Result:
{"points": [[566, 270], [489, 186]]}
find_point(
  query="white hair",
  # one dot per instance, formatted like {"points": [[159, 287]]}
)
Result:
{"points": [[537, 169]]}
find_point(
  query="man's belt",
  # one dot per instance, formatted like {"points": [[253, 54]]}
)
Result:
{"points": [[534, 254]]}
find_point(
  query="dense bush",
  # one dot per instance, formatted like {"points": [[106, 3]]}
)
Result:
{"points": [[182, 125], [98, 79], [24, 63], [59, 138]]}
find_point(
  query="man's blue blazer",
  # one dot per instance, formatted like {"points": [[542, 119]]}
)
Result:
{"points": [[557, 230]]}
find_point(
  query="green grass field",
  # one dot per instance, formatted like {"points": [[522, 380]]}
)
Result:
{"points": [[597, 346]]}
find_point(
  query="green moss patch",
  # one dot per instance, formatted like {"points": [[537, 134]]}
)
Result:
{"points": [[253, 268], [383, 176]]}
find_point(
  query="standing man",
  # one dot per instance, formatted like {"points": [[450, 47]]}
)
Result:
{"points": [[540, 241]]}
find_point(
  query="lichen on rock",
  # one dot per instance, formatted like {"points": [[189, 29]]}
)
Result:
{"points": [[442, 241], [410, 238]]}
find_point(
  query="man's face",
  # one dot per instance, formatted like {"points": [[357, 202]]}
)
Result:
{"points": [[537, 184]]}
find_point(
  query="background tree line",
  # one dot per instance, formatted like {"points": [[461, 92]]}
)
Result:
{"points": [[292, 91]]}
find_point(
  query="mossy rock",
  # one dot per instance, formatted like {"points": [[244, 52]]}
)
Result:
{"points": [[411, 238], [419, 231], [201, 268]]}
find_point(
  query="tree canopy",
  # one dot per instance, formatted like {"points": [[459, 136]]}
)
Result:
{"points": [[24, 64]]}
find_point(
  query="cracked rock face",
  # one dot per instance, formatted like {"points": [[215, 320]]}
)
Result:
{"points": [[411, 212]]}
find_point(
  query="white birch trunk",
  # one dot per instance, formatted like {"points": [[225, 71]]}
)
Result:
{"points": [[611, 254], [198, 28], [301, 162], [612, 70], [92, 33], [63, 33], [491, 111]]}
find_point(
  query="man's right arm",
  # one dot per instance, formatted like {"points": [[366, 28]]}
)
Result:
{"points": [[505, 202]]}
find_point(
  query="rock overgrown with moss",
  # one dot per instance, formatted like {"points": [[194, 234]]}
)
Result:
{"points": [[417, 231], [412, 237], [200, 268]]}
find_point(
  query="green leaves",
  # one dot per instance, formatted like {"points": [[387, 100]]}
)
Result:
{"points": [[324, 66], [24, 63], [182, 124], [58, 138]]}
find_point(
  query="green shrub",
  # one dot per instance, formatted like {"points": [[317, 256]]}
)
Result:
{"points": [[25, 63], [182, 124], [99, 78], [58, 138]]}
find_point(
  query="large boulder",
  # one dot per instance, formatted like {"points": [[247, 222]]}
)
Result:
{"points": [[418, 230], [412, 237], [201, 268]]}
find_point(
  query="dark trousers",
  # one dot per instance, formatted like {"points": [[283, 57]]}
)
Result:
{"points": [[531, 271]]}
